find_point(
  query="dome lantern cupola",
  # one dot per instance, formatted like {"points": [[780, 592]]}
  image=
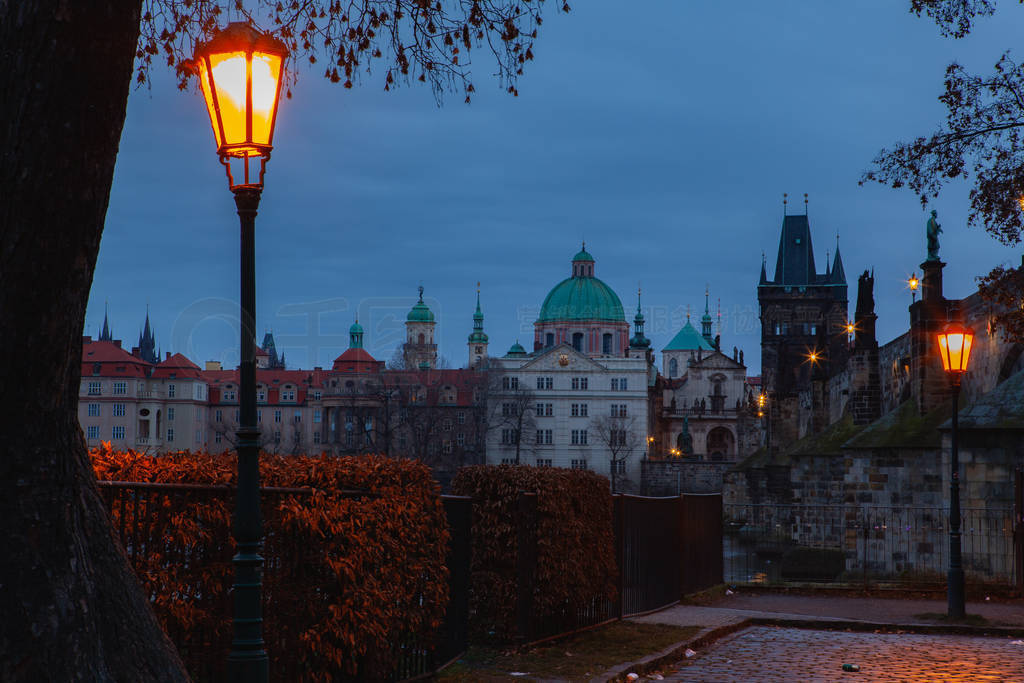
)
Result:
{"points": [[355, 335], [583, 263]]}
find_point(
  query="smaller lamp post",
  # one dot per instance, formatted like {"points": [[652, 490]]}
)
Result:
{"points": [[913, 283], [240, 72], [955, 349]]}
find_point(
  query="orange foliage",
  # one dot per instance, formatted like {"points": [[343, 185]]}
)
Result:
{"points": [[347, 578], [576, 563]]}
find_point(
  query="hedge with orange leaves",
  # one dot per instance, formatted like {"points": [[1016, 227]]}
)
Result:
{"points": [[576, 567], [347, 579]]}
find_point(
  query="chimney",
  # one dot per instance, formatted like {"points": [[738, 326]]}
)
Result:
{"points": [[213, 365], [135, 352], [168, 356]]}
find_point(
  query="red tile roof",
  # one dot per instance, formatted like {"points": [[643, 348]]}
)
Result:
{"points": [[107, 359], [177, 366], [357, 360]]}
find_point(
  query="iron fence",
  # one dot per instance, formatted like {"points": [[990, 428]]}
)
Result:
{"points": [[850, 543], [146, 517]]}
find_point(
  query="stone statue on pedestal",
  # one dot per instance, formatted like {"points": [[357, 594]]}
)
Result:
{"points": [[934, 229], [684, 442]]}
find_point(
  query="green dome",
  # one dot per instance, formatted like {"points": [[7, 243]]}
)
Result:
{"points": [[356, 328], [581, 298], [583, 256], [420, 313], [516, 350]]}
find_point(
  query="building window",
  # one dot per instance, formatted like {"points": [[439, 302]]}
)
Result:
{"points": [[218, 415], [508, 437], [606, 344], [577, 341], [199, 414], [578, 410], [316, 437], [549, 339], [277, 437], [259, 416], [543, 462], [170, 435], [508, 409], [261, 395], [170, 391], [298, 416], [117, 410], [170, 414], [545, 382], [673, 367], [316, 395], [619, 410], [617, 438], [579, 383], [511, 383], [446, 447], [93, 431], [508, 461], [217, 437], [619, 466], [446, 425], [579, 437], [229, 396], [120, 388], [619, 384], [460, 417], [288, 395], [543, 437], [317, 417], [277, 416], [461, 439], [117, 432], [579, 464], [236, 416], [94, 410], [94, 388]]}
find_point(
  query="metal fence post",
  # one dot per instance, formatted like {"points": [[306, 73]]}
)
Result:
{"points": [[526, 563], [618, 521]]}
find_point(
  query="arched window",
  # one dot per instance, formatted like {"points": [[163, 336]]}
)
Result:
{"points": [[720, 444], [673, 367], [606, 344], [577, 341], [421, 338], [549, 339]]}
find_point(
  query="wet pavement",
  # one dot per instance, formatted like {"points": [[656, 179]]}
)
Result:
{"points": [[771, 653]]}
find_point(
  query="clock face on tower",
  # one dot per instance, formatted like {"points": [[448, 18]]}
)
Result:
{"points": [[563, 359]]}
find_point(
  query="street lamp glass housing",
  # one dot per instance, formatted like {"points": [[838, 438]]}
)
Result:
{"points": [[240, 72], [955, 348]]}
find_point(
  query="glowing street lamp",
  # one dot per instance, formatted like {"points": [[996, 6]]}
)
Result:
{"points": [[913, 283], [955, 344], [240, 71]]}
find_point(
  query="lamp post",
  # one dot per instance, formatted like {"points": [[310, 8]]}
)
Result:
{"points": [[913, 283], [955, 349], [240, 72]]}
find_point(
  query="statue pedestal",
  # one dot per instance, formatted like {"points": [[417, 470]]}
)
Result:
{"points": [[931, 280]]}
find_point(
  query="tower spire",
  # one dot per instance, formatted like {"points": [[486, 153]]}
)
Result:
{"points": [[478, 338], [705, 321], [639, 341], [105, 333]]}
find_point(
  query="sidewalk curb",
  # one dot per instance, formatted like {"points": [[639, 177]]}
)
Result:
{"points": [[671, 654], [887, 627]]}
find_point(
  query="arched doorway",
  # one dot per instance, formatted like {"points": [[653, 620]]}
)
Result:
{"points": [[721, 444]]}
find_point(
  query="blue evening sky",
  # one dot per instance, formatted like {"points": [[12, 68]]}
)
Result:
{"points": [[663, 133]]}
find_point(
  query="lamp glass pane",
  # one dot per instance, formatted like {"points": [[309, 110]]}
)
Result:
{"points": [[966, 355], [229, 80], [944, 352], [211, 108], [266, 72]]}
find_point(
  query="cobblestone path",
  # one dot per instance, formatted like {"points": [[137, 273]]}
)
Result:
{"points": [[768, 653]]}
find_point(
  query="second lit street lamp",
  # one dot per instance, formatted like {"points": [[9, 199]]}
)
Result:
{"points": [[955, 349], [240, 70]]}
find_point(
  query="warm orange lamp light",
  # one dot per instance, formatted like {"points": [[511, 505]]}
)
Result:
{"points": [[913, 282], [240, 71], [955, 349]]}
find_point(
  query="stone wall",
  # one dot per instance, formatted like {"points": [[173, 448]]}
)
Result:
{"points": [[672, 477]]}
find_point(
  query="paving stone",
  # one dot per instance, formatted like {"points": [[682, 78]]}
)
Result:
{"points": [[788, 655]]}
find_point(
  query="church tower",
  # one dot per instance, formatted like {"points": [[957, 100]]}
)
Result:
{"points": [[639, 345], [420, 351], [106, 334], [803, 339], [147, 343], [478, 339]]}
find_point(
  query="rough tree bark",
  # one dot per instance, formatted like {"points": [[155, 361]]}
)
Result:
{"points": [[71, 607]]}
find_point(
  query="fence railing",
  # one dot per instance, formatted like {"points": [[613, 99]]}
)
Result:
{"points": [[143, 514], [851, 543], [664, 549]]}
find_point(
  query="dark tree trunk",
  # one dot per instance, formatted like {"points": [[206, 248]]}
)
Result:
{"points": [[70, 607]]}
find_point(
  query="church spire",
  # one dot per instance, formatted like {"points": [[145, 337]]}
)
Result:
{"points": [[639, 340], [705, 321], [105, 333], [147, 342], [477, 339], [838, 275], [764, 274]]}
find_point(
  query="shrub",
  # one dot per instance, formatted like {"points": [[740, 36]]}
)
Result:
{"points": [[347, 578], [575, 544]]}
